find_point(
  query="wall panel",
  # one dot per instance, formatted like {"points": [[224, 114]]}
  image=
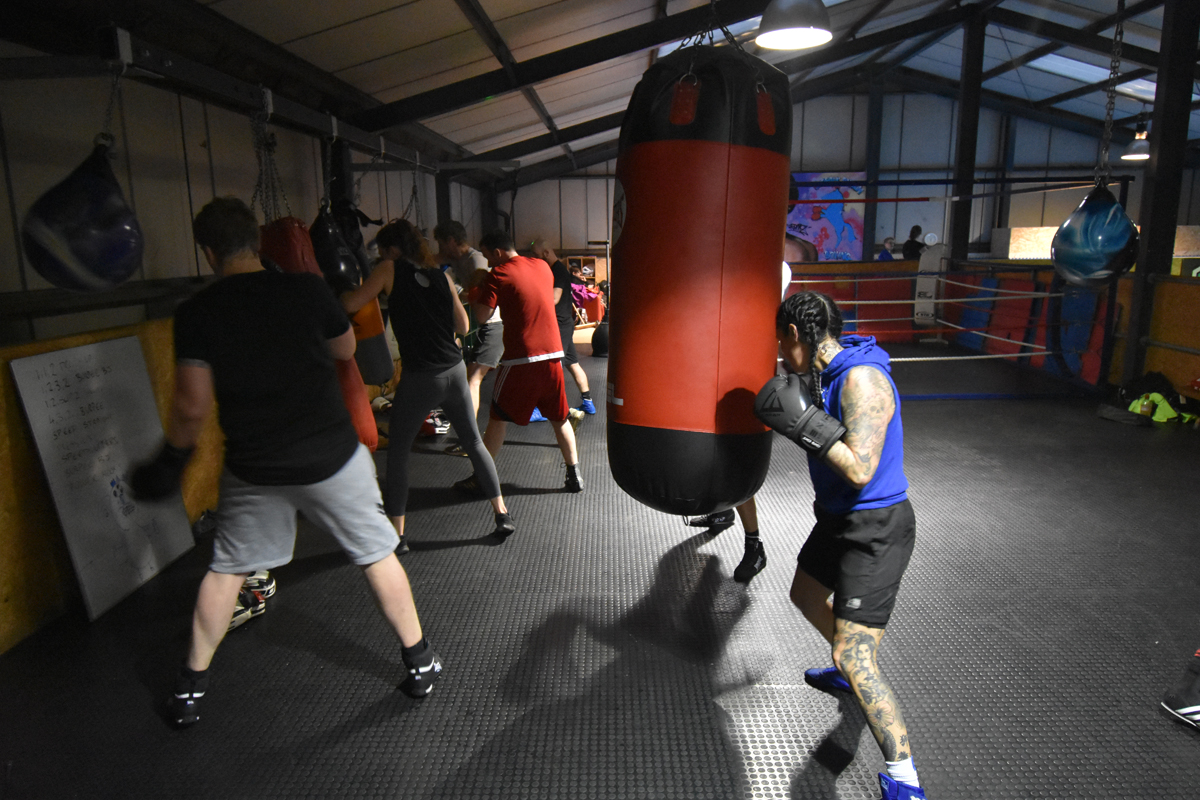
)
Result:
{"points": [[536, 213], [574, 209], [598, 211], [826, 135], [160, 182]]}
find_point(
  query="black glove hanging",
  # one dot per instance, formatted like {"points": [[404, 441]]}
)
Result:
{"points": [[159, 478], [782, 404]]}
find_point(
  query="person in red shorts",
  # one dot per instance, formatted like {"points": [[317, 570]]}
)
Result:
{"points": [[530, 374]]}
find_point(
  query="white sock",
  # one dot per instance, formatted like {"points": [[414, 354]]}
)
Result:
{"points": [[902, 771]]}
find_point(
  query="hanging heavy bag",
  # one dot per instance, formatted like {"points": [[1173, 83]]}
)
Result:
{"points": [[81, 234], [1096, 243], [286, 242], [337, 261], [349, 218], [698, 225], [342, 271], [373, 356]]}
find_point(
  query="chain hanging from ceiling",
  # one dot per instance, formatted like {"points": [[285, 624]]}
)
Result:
{"points": [[1103, 169], [268, 189]]}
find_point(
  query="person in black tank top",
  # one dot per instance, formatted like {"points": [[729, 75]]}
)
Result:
{"points": [[426, 313]]}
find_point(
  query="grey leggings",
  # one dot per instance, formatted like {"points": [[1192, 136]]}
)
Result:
{"points": [[417, 394]]}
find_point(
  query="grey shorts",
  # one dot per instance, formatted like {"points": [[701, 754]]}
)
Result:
{"points": [[489, 347], [256, 525]]}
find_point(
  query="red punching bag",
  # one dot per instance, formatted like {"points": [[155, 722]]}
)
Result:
{"points": [[698, 226]]}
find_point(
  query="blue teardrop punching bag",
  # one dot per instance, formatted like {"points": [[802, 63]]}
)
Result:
{"points": [[698, 225], [1097, 242], [81, 234]]}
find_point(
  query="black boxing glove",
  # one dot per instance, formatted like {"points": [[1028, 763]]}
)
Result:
{"points": [[159, 478], [782, 404]]}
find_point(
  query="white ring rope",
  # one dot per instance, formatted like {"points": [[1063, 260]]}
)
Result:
{"points": [[971, 358], [992, 336], [998, 291], [993, 295]]}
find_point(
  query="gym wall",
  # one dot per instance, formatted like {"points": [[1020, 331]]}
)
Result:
{"points": [[173, 154]]}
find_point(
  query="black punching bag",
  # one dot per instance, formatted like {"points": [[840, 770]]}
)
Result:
{"points": [[698, 226], [82, 235]]}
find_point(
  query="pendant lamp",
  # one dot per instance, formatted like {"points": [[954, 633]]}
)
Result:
{"points": [[794, 25], [1139, 148]]}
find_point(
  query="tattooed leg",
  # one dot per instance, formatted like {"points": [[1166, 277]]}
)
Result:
{"points": [[854, 650]]}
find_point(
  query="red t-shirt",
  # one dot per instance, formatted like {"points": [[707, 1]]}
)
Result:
{"points": [[523, 288]]}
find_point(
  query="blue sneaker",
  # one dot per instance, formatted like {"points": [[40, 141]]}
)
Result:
{"points": [[893, 790], [828, 680], [587, 406], [536, 416]]}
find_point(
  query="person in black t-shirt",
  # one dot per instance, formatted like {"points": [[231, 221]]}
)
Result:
{"points": [[262, 345], [564, 312], [426, 312], [911, 251]]}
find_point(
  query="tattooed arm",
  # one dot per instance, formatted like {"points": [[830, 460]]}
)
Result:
{"points": [[867, 407]]}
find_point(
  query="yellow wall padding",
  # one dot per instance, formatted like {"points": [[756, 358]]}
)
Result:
{"points": [[1176, 321], [37, 581]]}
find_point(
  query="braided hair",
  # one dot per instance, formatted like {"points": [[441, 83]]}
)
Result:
{"points": [[816, 318]]}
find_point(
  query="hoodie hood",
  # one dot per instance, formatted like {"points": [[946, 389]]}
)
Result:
{"points": [[856, 351]]}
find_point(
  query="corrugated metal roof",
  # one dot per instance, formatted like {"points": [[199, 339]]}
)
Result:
{"points": [[459, 67]]}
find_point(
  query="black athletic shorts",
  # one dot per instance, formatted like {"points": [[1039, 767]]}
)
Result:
{"points": [[861, 556], [566, 332]]}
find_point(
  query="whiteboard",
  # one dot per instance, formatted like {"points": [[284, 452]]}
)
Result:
{"points": [[92, 413]]}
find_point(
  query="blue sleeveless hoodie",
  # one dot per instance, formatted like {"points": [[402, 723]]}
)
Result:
{"points": [[889, 485]]}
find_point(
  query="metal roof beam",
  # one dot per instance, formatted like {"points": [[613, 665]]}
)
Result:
{"points": [[542, 68], [546, 141], [890, 36], [919, 82], [1099, 25], [486, 29], [1133, 75], [1076, 38], [557, 167]]}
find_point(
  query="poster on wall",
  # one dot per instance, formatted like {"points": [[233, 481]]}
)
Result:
{"points": [[829, 217]]}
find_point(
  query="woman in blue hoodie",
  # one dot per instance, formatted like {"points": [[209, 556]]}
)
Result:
{"points": [[849, 569]]}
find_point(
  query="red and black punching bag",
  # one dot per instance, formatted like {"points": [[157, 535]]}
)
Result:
{"points": [[698, 226]]}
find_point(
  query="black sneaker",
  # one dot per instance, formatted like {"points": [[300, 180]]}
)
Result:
{"points": [[183, 703], [469, 485], [504, 526], [402, 548], [420, 680], [753, 562], [574, 481], [718, 519], [249, 604]]}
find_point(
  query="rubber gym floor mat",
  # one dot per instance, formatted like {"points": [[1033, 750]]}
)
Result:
{"points": [[603, 650]]}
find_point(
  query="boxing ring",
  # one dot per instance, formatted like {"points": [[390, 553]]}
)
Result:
{"points": [[971, 312]]}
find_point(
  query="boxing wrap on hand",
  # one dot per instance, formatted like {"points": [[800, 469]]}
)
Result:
{"points": [[159, 478], [783, 405]]}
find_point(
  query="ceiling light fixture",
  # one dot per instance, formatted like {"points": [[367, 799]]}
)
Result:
{"points": [[794, 25], [1139, 148]]}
